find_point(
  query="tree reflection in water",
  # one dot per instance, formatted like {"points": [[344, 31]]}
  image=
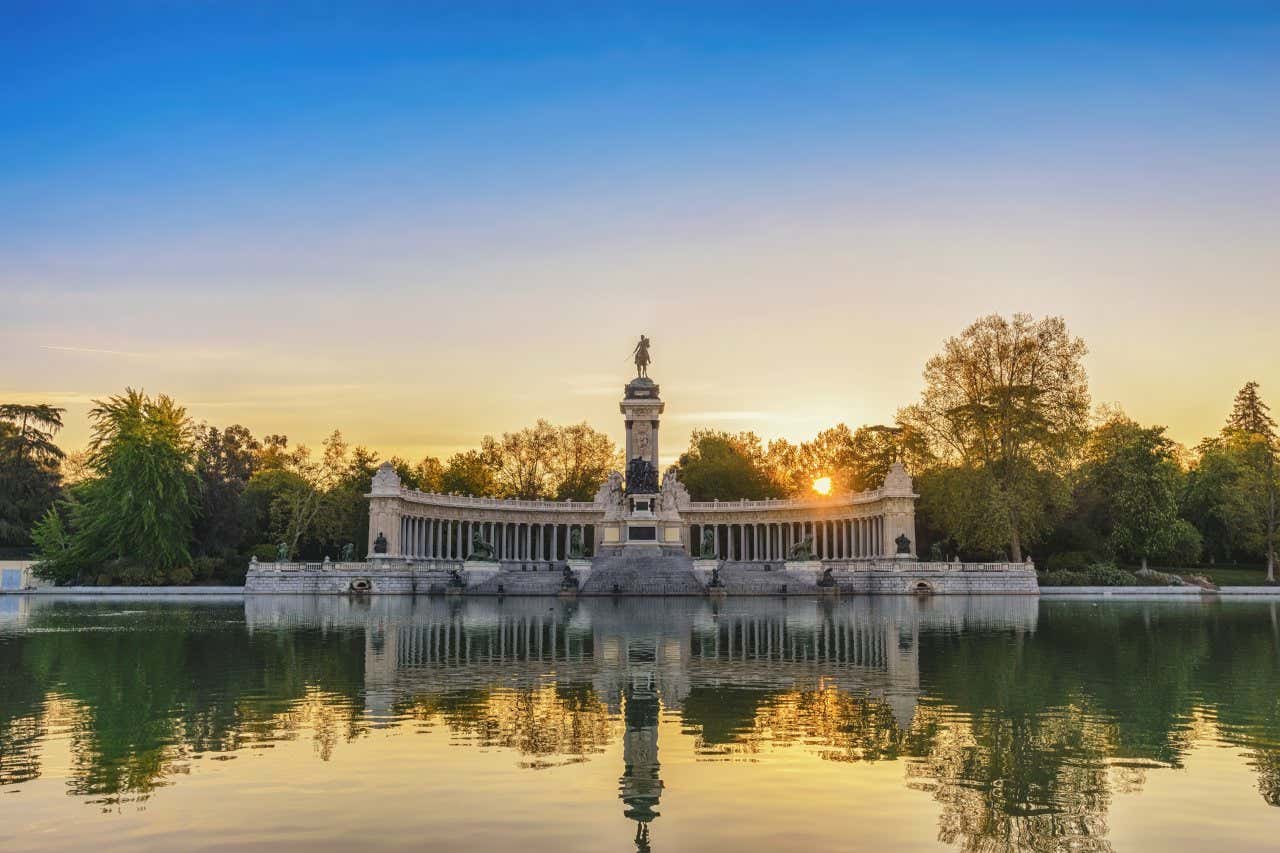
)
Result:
{"points": [[1020, 718]]}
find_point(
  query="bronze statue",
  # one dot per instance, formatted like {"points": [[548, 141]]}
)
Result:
{"points": [[282, 553], [480, 549], [903, 543], [348, 552], [575, 543], [826, 580], [642, 477], [380, 544], [802, 550], [715, 582], [568, 581], [707, 549], [641, 353]]}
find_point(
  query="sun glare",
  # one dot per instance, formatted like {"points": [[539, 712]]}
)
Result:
{"points": [[822, 485]]}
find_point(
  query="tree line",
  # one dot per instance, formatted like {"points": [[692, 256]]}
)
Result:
{"points": [[1008, 455]]}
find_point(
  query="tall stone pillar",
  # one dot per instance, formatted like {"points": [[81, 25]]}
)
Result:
{"points": [[385, 513]]}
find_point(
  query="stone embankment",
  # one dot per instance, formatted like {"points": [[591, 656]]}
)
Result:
{"points": [[656, 575]]}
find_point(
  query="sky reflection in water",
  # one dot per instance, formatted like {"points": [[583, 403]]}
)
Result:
{"points": [[328, 723]]}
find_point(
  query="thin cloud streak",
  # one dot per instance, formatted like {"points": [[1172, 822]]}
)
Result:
{"points": [[95, 351]]}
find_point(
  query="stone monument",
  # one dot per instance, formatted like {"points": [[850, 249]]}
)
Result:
{"points": [[644, 512]]}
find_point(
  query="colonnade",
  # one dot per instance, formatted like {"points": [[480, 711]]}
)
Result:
{"points": [[434, 538], [752, 638], [838, 539]]}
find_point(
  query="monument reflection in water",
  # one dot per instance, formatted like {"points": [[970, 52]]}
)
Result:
{"points": [[641, 656], [993, 722]]}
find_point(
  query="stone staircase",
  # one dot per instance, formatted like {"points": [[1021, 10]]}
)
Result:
{"points": [[516, 582], [643, 574], [752, 579]]}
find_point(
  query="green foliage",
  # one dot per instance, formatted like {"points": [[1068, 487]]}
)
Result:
{"points": [[977, 512], [1069, 561], [1007, 399], [1097, 574], [225, 463], [1130, 482], [1232, 492], [725, 466], [29, 468], [134, 520], [469, 473]]}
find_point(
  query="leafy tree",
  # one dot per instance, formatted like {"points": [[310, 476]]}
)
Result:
{"points": [[344, 513], [856, 460], [1252, 418], [225, 463], [133, 521], [726, 466], [1131, 481], [469, 473], [1216, 499], [427, 475], [298, 499], [29, 467], [1232, 489], [1009, 399], [522, 461], [538, 462], [581, 460]]}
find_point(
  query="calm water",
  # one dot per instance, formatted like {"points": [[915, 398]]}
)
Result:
{"points": [[976, 724]]}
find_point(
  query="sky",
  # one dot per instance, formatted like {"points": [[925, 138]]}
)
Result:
{"points": [[422, 223]]}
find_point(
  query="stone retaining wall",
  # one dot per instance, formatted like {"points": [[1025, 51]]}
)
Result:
{"points": [[900, 577], [402, 577]]}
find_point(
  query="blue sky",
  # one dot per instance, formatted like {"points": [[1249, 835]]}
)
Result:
{"points": [[192, 193]]}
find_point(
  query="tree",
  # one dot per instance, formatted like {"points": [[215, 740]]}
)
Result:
{"points": [[1009, 398], [29, 467], [581, 460], [1217, 499], [297, 504], [726, 466], [855, 460], [133, 520], [469, 473], [1251, 417], [1231, 493], [427, 475], [344, 512], [1131, 481], [225, 463], [522, 461]]}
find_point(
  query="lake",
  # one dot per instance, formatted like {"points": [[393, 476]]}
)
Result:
{"points": [[332, 723]]}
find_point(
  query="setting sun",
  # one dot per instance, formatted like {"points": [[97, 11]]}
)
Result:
{"points": [[822, 485]]}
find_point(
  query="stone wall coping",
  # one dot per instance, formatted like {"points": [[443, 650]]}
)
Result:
{"points": [[469, 502], [845, 499], [907, 567], [767, 505]]}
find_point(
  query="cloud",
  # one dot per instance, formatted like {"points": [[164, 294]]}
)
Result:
{"points": [[94, 351]]}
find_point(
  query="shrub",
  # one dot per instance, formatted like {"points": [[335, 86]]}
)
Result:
{"points": [[1108, 574], [1097, 574], [1069, 561]]}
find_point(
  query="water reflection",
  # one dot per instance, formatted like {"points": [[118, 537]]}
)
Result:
{"points": [[1022, 720]]}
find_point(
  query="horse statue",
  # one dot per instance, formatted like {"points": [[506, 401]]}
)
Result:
{"points": [[641, 355]]}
